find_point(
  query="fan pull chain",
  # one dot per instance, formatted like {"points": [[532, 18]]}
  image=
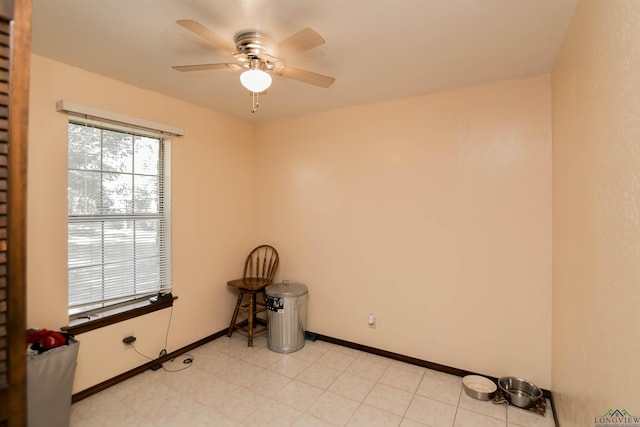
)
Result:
{"points": [[256, 101]]}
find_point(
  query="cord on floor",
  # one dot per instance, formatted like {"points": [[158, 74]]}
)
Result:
{"points": [[186, 359]]}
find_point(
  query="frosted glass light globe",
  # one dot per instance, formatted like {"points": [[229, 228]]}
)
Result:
{"points": [[255, 80]]}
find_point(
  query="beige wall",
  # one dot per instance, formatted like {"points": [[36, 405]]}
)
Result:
{"points": [[596, 213], [212, 201], [433, 213]]}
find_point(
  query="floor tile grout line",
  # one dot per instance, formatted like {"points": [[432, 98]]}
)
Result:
{"points": [[237, 354], [404, 414], [455, 415]]}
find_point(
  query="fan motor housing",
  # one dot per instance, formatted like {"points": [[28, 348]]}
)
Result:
{"points": [[252, 43], [255, 45]]}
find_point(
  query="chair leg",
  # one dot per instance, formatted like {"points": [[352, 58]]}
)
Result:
{"points": [[252, 310], [235, 314]]}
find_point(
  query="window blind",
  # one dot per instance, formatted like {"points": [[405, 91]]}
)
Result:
{"points": [[87, 112], [119, 207]]}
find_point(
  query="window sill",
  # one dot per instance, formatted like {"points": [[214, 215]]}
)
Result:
{"points": [[116, 315]]}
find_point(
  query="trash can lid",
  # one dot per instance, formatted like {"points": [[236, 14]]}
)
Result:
{"points": [[286, 289]]}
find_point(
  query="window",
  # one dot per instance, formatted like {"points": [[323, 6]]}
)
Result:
{"points": [[119, 216]]}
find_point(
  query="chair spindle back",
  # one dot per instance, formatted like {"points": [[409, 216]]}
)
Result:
{"points": [[262, 263]]}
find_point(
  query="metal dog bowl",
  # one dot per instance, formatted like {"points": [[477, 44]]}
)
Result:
{"points": [[519, 392], [478, 387]]}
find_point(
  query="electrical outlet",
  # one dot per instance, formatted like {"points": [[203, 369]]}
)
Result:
{"points": [[371, 320], [129, 340]]}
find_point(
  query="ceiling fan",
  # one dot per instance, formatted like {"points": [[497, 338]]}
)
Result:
{"points": [[256, 57]]}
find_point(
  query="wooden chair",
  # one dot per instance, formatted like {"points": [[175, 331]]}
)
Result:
{"points": [[259, 269]]}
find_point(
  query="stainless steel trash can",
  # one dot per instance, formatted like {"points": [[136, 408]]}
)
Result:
{"points": [[286, 316]]}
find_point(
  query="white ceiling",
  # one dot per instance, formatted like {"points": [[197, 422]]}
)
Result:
{"points": [[376, 49]]}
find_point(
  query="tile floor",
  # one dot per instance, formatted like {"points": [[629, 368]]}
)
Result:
{"points": [[229, 384]]}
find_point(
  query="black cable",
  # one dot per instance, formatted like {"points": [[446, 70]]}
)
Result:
{"points": [[143, 355], [166, 336], [187, 361]]}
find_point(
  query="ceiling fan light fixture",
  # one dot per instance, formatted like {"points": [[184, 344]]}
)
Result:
{"points": [[255, 80], [252, 53]]}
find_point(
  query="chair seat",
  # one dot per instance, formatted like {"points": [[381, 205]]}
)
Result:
{"points": [[250, 283]]}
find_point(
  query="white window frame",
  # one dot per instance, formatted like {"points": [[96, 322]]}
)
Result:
{"points": [[119, 123]]}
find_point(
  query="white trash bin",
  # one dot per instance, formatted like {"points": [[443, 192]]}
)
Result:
{"points": [[49, 385], [286, 316]]}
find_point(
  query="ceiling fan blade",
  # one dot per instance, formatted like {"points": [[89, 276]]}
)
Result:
{"points": [[203, 67], [299, 42], [306, 76], [217, 42]]}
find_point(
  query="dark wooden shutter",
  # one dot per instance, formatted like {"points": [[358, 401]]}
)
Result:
{"points": [[15, 51], [5, 33]]}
